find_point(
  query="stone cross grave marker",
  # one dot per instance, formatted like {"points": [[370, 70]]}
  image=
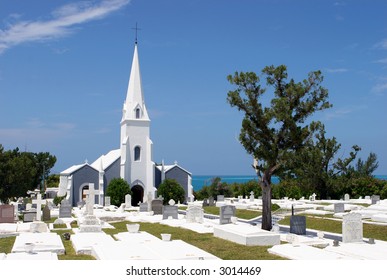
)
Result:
{"points": [[219, 198], [46, 213], [7, 214], [195, 214], [298, 225], [352, 228], [375, 199], [91, 199], [128, 201], [65, 209], [252, 196], [339, 207], [226, 212], [157, 206], [107, 200]]}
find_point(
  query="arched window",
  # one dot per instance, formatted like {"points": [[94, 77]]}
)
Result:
{"points": [[137, 153], [138, 112]]}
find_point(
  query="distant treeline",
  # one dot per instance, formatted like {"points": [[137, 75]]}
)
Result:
{"points": [[355, 186]]}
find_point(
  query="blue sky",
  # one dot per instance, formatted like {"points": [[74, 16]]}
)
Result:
{"points": [[64, 69]]}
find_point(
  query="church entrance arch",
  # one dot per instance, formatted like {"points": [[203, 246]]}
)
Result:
{"points": [[137, 195], [84, 192]]}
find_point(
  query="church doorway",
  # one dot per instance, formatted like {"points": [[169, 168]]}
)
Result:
{"points": [[85, 190], [137, 195]]}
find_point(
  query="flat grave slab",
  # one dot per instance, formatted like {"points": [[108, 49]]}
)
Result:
{"points": [[362, 251], [247, 235], [40, 256], [83, 242], [304, 252], [142, 246], [42, 242]]}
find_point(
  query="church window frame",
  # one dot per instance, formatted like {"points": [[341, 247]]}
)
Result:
{"points": [[137, 113], [137, 153]]}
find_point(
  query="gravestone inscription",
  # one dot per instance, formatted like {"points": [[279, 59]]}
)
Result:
{"points": [[46, 213], [195, 214], [375, 199], [298, 225], [170, 211], [352, 228], [226, 212], [157, 206], [65, 209], [339, 207], [7, 214]]}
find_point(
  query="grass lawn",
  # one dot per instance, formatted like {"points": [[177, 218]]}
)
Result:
{"points": [[6, 244], [369, 231], [240, 213], [70, 252], [221, 248]]}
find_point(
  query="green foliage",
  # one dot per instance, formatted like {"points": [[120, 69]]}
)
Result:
{"points": [[273, 134], [244, 189], [52, 181], [117, 189], [171, 189], [22, 171], [58, 199]]}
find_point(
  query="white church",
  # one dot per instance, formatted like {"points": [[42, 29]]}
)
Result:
{"points": [[132, 161]]}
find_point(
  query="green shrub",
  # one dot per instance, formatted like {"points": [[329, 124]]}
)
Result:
{"points": [[171, 189], [58, 199], [117, 189]]}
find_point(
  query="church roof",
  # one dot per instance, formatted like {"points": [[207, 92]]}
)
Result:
{"points": [[72, 169], [105, 161], [168, 168]]}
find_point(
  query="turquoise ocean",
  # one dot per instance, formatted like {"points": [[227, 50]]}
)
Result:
{"points": [[199, 181]]}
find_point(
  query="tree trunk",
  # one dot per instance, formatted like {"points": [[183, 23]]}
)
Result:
{"points": [[266, 203]]}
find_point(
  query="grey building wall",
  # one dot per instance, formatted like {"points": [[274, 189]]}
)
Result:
{"points": [[113, 171], [181, 177], [157, 177], [84, 175]]}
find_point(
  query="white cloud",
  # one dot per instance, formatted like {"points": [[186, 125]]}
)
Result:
{"points": [[61, 23], [343, 111], [383, 60], [381, 45], [379, 88], [336, 70]]}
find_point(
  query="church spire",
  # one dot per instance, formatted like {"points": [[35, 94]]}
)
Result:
{"points": [[134, 107]]}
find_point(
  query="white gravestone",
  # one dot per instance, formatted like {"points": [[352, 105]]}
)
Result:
{"points": [[346, 197], [352, 228], [252, 196], [195, 214], [39, 207], [128, 201]]}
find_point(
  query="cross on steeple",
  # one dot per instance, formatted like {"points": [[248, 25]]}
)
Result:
{"points": [[136, 28]]}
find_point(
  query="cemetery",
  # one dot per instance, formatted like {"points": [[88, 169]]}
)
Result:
{"points": [[305, 229]]}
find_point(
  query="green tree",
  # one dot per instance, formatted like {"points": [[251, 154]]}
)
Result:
{"points": [[272, 134], [315, 167], [117, 189], [171, 189], [20, 172]]}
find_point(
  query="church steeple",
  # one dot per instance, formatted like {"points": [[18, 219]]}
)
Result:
{"points": [[134, 107]]}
